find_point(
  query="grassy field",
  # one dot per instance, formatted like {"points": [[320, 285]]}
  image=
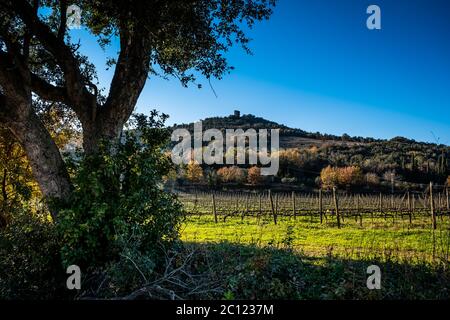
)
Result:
{"points": [[303, 259], [384, 240]]}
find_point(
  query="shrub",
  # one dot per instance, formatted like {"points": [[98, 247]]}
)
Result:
{"points": [[254, 176], [211, 177], [342, 177], [116, 222], [118, 193], [231, 174], [372, 179], [30, 264], [329, 177], [349, 176], [194, 172]]}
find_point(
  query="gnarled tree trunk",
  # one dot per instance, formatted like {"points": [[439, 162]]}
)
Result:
{"points": [[43, 155]]}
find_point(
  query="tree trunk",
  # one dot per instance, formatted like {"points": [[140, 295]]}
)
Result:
{"points": [[46, 162], [94, 132]]}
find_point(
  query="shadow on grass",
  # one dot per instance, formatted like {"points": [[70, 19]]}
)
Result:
{"points": [[224, 271], [250, 272]]}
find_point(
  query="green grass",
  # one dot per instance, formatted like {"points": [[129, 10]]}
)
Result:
{"points": [[251, 272], [304, 259], [385, 240]]}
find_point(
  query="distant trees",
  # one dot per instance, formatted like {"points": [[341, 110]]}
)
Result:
{"points": [[329, 177], [294, 161], [211, 177], [349, 165], [372, 179], [194, 172], [341, 177], [348, 176], [303, 156], [254, 176], [231, 174], [413, 163]]}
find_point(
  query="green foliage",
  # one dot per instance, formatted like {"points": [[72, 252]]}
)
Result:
{"points": [[30, 266], [289, 237], [115, 225], [243, 271], [118, 193], [264, 274], [185, 35], [132, 268], [16, 181]]}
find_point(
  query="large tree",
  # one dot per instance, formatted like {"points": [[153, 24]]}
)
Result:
{"points": [[39, 61]]}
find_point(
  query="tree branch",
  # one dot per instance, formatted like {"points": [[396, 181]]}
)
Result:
{"points": [[130, 75], [63, 19], [81, 99], [28, 35], [47, 91]]}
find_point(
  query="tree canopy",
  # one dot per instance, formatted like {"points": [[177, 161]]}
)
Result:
{"points": [[40, 62]]}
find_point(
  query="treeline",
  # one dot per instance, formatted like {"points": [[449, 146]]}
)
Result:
{"points": [[248, 121], [378, 165], [347, 162]]}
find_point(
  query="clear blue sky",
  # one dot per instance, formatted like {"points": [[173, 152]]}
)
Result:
{"points": [[317, 67]]}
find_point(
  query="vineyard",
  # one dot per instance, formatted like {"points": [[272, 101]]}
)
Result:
{"points": [[388, 226], [329, 207]]}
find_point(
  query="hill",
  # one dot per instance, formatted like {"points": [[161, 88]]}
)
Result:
{"points": [[308, 153], [247, 121]]}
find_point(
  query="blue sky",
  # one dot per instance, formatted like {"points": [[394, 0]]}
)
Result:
{"points": [[317, 67]]}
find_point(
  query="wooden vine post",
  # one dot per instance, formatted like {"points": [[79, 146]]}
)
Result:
{"points": [[320, 205], [272, 207], [409, 207], [246, 207], [448, 201], [381, 205], [336, 207], [358, 200], [293, 205], [260, 206], [214, 207], [433, 213]]}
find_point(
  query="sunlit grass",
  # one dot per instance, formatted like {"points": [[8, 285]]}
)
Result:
{"points": [[392, 239]]}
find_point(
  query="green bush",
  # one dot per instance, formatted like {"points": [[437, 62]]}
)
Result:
{"points": [[30, 266], [117, 222], [118, 194]]}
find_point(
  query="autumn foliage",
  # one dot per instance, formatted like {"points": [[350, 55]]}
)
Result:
{"points": [[194, 172], [254, 176], [340, 177], [231, 174]]}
